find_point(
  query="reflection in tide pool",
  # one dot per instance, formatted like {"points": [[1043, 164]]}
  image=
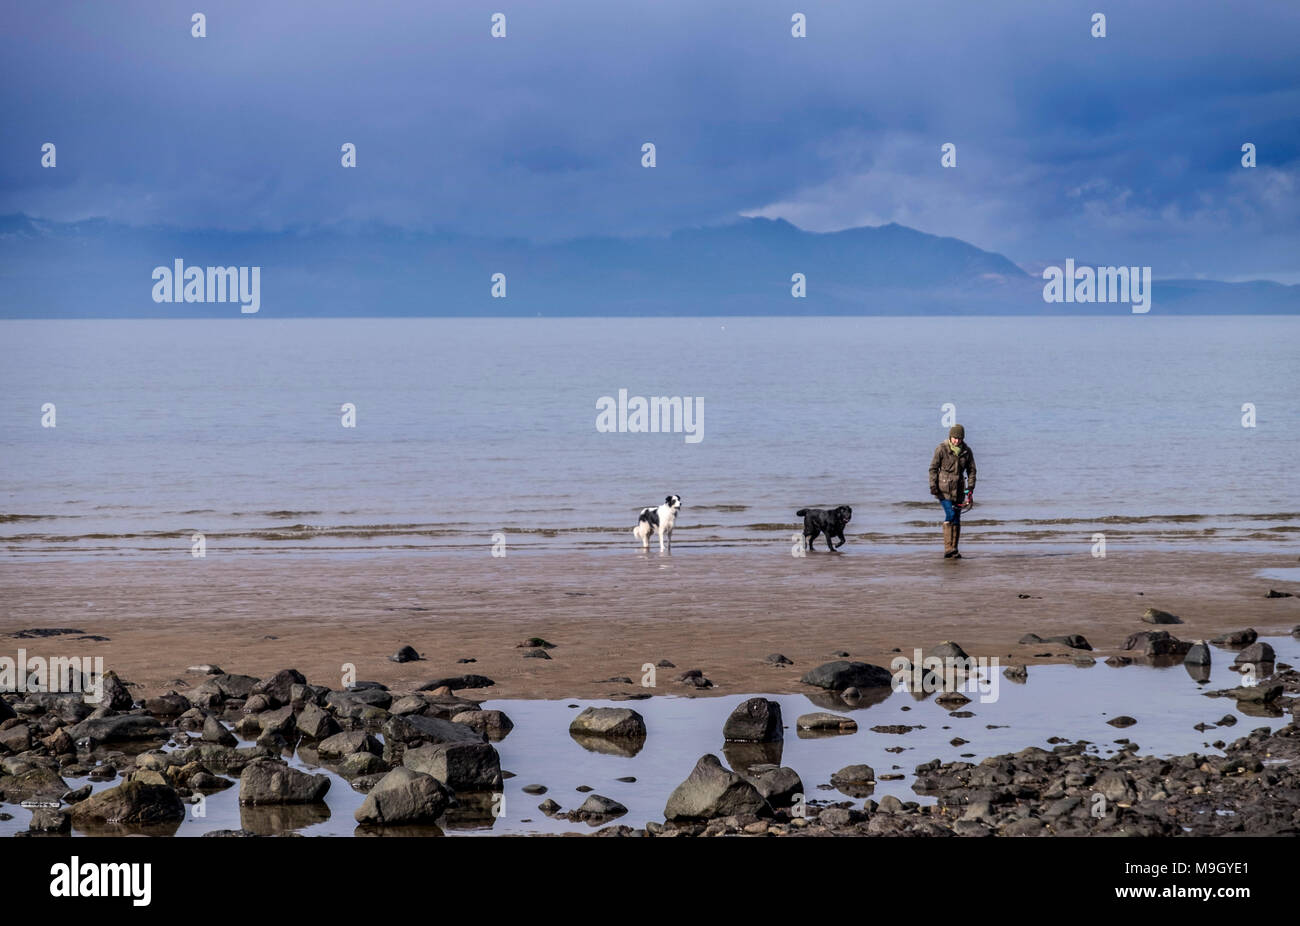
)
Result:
{"points": [[1065, 701]]}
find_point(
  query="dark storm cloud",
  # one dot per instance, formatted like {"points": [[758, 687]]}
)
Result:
{"points": [[1125, 148]]}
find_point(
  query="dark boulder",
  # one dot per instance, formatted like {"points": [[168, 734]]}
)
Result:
{"points": [[114, 694], [459, 766], [118, 728], [132, 802], [949, 650], [826, 722], [839, 675], [458, 681], [49, 820], [215, 732], [278, 687], [1255, 654], [16, 738], [346, 703], [1256, 694], [170, 704], [780, 786], [855, 780], [1168, 646], [597, 808], [756, 720], [360, 764], [1237, 638], [403, 796], [1156, 616], [257, 703], [1140, 639], [77, 795], [232, 686], [316, 722], [32, 784], [281, 721], [71, 707], [216, 690], [712, 791], [1072, 640], [302, 695], [266, 781], [346, 743], [495, 725], [416, 729], [615, 722]]}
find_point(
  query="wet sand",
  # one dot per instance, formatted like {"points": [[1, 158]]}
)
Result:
{"points": [[721, 611]]}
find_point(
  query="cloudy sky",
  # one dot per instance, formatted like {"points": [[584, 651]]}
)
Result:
{"points": [[1124, 149]]}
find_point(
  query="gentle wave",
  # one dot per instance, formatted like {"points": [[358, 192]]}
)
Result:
{"points": [[766, 532], [1122, 519]]}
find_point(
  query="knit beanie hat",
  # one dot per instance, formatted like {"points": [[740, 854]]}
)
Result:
{"points": [[957, 431]]}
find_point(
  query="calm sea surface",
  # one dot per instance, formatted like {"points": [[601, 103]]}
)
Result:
{"points": [[1130, 426]]}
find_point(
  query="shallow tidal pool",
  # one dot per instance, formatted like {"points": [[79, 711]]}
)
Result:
{"points": [[1056, 701]]}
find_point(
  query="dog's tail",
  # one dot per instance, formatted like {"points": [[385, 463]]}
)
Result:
{"points": [[801, 512]]}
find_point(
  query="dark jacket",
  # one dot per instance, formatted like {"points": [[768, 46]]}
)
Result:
{"points": [[952, 474]]}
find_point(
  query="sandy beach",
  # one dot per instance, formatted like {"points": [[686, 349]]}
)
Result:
{"points": [[722, 612]]}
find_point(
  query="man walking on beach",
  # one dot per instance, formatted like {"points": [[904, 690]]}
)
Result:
{"points": [[953, 462]]}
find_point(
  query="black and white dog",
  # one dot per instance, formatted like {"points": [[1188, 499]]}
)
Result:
{"points": [[659, 519], [820, 521]]}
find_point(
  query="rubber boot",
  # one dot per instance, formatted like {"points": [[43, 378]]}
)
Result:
{"points": [[956, 538], [949, 544]]}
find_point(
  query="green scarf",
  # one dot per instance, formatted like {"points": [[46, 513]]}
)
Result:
{"points": [[955, 448]]}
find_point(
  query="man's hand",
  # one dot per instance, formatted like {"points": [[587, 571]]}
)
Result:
{"points": [[934, 490]]}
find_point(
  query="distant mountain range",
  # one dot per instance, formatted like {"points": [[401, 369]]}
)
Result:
{"points": [[96, 269]]}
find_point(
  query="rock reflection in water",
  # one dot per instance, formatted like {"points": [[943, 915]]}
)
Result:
{"points": [[610, 746], [832, 700], [1048, 712], [412, 830], [276, 819], [472, 810], [1259, 709], [859, 789], [743, 757], [135, 829]]}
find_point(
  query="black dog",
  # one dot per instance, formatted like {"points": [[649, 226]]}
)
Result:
{"points": [[820, 521]]}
